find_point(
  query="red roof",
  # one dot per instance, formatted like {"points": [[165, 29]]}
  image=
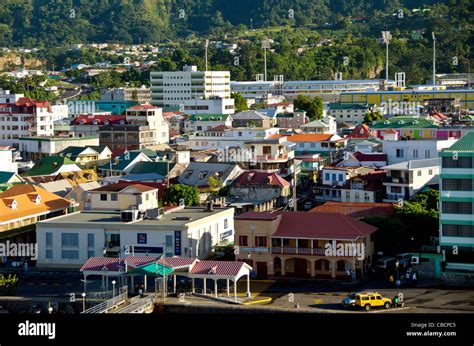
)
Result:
{"points": [[176, 262], [361, 131], [218, 268], [356, 210], [111, 264], [309, 137], [99, 119], [140, 107], [390, 131], [27, 102], [360, 156], [321, 226], [261, 178]]}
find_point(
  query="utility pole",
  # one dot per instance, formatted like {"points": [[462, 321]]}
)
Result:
{"points": [[386, 36], [434, 58], [205, 46], [265, 46]]}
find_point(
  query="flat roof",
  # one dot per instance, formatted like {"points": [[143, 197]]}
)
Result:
{"points": [[105, 217]]}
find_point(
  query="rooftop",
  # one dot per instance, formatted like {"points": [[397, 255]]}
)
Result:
{"points": [[414, 164], [464, 144]]}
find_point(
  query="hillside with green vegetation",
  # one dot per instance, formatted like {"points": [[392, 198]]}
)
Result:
{"points": [[312, 39]]}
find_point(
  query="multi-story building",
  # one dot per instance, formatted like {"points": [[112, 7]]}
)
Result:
{"points": [[6, 97], [25, 118], [201, 122], [224, 138], [251, 119], [405, 179], [196, 91], [349, 112], [88, 125], [329, 145], [301, 244], [145, 126], [36, 148], [141, 95], [181, 231], [415, 149], [292, 120], [457, 205], [367, 188], [326, 125]]}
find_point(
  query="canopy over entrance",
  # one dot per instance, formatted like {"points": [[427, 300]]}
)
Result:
{"points": [[152, 269]]}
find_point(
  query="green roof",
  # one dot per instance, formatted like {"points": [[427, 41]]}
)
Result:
{"points": [[71, 152], [465, 143], [208, 117], [338, 106], [5, 177], [403, 122], [152, 167], [152, 269], [48, 165], [147, 151]]}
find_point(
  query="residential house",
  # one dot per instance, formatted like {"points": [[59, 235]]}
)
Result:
{"points": [[10, 178], [457, 207], [349, 112], [198, 174], [251, 118], [67, 242], [224, 138], [36, 148], [79, 194], [405, 179], [327, 145], [122, 164], [291, 120], [22, 205], [415, 149], [360, 159], [258, 191], [326, 126], [367, 188], [86, 155], [52, 165], [60, 187], [301, 244], [88, 125], [175, 122], [201, 122]]}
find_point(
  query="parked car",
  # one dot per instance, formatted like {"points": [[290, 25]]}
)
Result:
{"points": [[372, 300], [386, 263], [404, 259], [349, 301]]}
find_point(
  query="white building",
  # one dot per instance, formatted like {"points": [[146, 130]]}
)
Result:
{"points": [[25, 118], [195, 91], [399, 150], [349, 112], [59, 112], [200, 122], [187, 232], [222, 138], [35, 148], [405, 179], [6, 97], [141, 95], [7, 160]]}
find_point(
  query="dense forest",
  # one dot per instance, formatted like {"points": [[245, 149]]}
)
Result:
{"points": [[312, 39]]}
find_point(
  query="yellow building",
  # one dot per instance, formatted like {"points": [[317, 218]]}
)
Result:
{"points": [[301, 244], [465, 97]]}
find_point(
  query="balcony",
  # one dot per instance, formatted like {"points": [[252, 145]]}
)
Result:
{"points": [[272, 158], [286, 250], [398, 180], [254, 249]]}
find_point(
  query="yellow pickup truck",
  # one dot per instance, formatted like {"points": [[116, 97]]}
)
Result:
{"points": [[372, 300]]}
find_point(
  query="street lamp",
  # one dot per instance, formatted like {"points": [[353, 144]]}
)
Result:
{"points": [[50, 309], [397, 265], [83, 301], [386, 36], [113, 287]]}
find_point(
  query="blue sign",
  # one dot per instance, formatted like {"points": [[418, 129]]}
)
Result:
{"points": [[177, 243], [141, 238], [226, 234]]}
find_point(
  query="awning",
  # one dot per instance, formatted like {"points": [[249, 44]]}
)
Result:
{"points": [[152, 269]]}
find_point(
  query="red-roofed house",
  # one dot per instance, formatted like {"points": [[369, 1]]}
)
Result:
{"points": [[360, 159], [355, 210], [301, 244]]}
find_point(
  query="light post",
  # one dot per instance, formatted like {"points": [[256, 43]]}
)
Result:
{"points": [[83, 302], [113, 287], [397, 265], [386, 36]]}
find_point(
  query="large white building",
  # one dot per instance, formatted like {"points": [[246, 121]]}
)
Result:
{"points": [[193, 91], [186, 232], [25, 118], [225, 138]]}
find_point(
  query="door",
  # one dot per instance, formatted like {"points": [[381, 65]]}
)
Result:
{"points": [[262, 271]]}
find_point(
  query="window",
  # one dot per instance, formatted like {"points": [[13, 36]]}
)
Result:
{"points": [[458, 231], [169, 241], [113, 197], [457, 184], [70, 239], [70, 254], [457, 207], [461, 162], [327, 177], [430, 172], [415, 153], [90, 253], [418, 173], [103, 196], [225, 223], [341, 177], [49, 254], [243, 240], [399, 153], [260, 241], [427, 154], [49, 239], [90, 240]]}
